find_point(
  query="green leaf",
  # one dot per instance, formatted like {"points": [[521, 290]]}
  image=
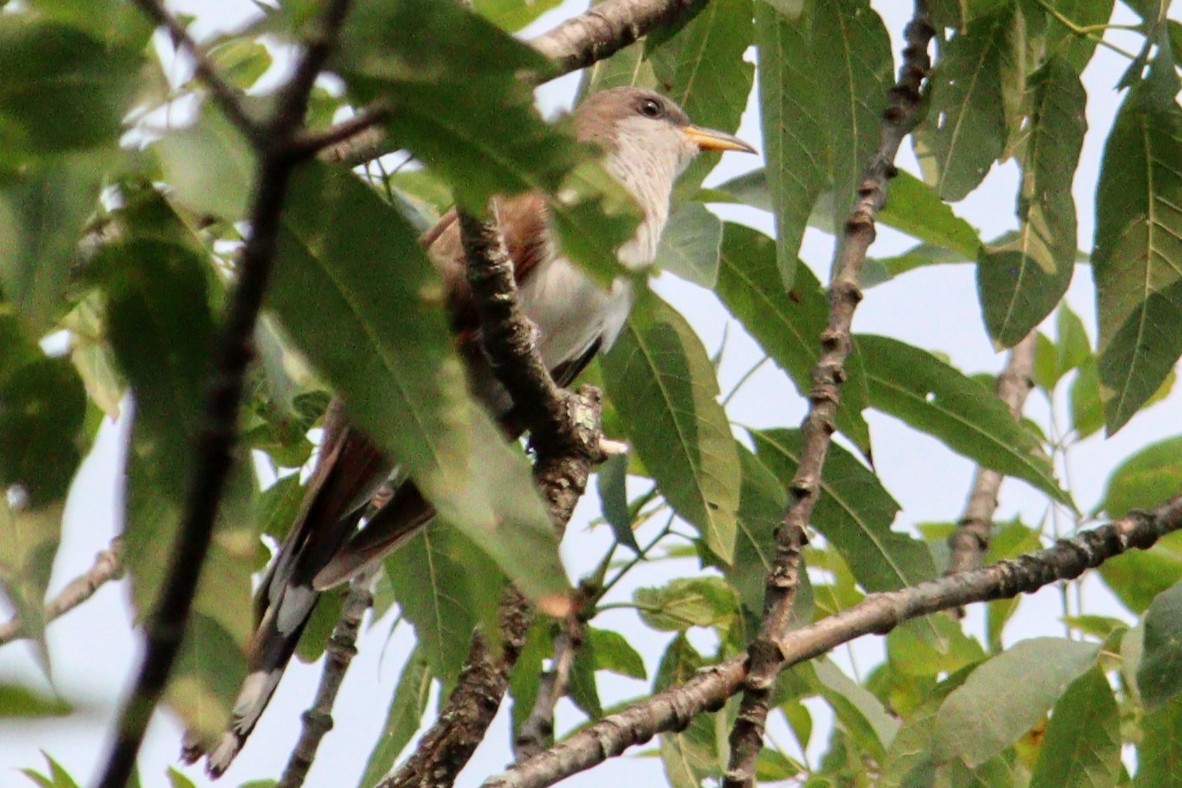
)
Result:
{"points": [[1160, 747], [612, 483], [857, 710], [60, 89], [774, 766], [909, 759], [1138, 256], [1073, 346], [1021, 282], [402, 719], [161, 328], [931, 647], [513, 14], [384, 343], [1148, 477], [582, 689], [526, 676], [1159, 677], [1078, 50], [1082, 744], [916, 387], [699, 64], [795, 146], [690, 245], [663, 386], [209, 167], [44, 207], [686, 602], [965, 128], [92, 356], [691, 755], [762, 501], [626, 68], [20, 701], [1138, 576], [58, 776], [446, 587], [978, 720], [854, 512], [613, 652], [914, 207], [787, 326], [241, 61]]}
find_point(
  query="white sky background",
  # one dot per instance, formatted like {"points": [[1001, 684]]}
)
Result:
{"points": [[94, 659]]}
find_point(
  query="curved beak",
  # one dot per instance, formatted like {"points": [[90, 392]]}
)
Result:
{"points": [[709, 139]]}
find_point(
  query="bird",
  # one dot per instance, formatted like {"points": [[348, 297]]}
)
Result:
{"points": [[646, 141]]}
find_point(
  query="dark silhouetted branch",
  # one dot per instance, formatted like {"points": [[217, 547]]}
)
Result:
{"points": [[218, 432]]}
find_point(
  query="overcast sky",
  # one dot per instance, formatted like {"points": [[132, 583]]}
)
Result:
{"points": [[94, 658]]}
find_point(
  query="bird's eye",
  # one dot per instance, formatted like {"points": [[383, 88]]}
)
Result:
{"points": [[651, 108]]}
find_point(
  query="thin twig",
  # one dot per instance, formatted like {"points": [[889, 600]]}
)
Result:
{"points": [[709, 689], [224, 94], [219, 419], [537, 732], [970, 540], [342, 647], [766, 651], [592, 36], [108, 565]]}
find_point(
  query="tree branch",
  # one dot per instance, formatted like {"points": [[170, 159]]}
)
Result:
{"points": [[766, 650], [596, 34], [970, 540], [565, 431], [342, 647], [537, 732], [219, 419], [224, 94], [108, 565], [876, 614]]}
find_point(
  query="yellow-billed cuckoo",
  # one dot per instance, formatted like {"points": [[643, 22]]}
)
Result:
{"points": [[647, 141]]}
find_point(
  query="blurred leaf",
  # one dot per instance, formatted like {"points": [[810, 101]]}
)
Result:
{"points": [[909, 759], [177, 779], [686, 602], [161, 328], [1137, 576], [690, 245], [513, 15], [44, 207], [626, 68], [854, 512], [319, 626], [385, 344], [20, 701], [786, 325], [613, 652], [1101, 627], [60, 89], [965, 128], [446, 587], [699, 64], [1137, 260], [612, 483], [1160, 748], [1042, 667], [241, 61], [111, 21], [92, 356], [58, 777], [857, 710], [402, 719], [795, 144], [912, 385], [1149, 477], [661, 382], [209, 167], [774, 766], [1082, 744], [526, 676], [1159, 677], [1020, 282]]}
